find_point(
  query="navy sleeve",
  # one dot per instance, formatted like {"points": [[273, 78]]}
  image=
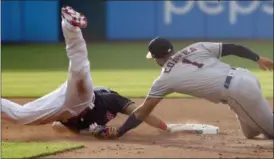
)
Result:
{"points": [[239, 50], [117, 103], [112, 101]]}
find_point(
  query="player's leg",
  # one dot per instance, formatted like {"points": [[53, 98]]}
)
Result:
{"points": [[7, 108], [78, 89], [20, 114], [79, 80], [248, 131], [261, 106], [267, 118], [247, 101]]}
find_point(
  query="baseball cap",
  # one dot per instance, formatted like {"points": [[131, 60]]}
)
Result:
{"points": [[159, 47]]}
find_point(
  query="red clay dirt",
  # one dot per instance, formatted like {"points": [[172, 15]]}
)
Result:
{"points": [[145, 141]]}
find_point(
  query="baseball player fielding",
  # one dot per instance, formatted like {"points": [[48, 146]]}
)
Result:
{"points": [[198, 71]]}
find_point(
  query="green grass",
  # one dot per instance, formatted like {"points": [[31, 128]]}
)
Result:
{"points": [[35, 149], [136, 83], [103, 56], [32, 70]]}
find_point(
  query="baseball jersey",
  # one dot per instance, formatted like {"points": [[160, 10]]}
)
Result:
{"points": [[107, 104], [195, 70]]}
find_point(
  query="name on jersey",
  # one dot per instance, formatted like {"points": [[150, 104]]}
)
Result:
{"points": [[174, 60]]}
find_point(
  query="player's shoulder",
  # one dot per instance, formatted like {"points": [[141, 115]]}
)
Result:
{"points": [[201, 46], [159, 82], [189, 49], [101, 89], [208, 44], [161, 78], [202, 43], [193, 45], [198, 44]]}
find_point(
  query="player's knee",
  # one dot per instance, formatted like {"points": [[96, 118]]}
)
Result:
{"points": [[249, 132], [251, 135], [80, 87]]}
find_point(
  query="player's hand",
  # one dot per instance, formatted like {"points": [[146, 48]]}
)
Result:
{"points": [[265, 63], [103, 132]]}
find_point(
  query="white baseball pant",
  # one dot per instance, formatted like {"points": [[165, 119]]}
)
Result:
{"points": [[68, 100]]}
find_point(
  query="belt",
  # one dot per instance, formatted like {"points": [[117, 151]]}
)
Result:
{"points": [[87, 109], [81, 115], [84, 112], [229, 78]]}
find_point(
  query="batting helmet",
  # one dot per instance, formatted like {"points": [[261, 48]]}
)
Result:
{"points": [[159, 48]]}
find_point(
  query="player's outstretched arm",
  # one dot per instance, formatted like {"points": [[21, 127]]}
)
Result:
{"points": [[244, 52], [136, 116], [157, 92], [139, 115], [151, 120], [134, 120]]}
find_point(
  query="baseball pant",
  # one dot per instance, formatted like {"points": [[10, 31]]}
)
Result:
{"points": [[70, 99], [252, 109]]}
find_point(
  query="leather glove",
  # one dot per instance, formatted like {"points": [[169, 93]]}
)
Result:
{"points": [[103, 132]]}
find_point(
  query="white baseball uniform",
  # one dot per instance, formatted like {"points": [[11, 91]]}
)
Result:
{"points": [[196, 70], [71, 98]]}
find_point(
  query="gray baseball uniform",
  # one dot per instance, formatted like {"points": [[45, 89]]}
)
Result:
{"points": [[196, 70]]}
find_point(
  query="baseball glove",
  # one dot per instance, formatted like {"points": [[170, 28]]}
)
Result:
{"points": [[103, 132]]}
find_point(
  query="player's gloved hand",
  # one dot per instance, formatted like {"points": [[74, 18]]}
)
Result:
{"points": [[265, 63], [103, 132]]}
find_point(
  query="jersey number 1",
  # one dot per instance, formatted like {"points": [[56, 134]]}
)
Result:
{"points": [[199, 65]]}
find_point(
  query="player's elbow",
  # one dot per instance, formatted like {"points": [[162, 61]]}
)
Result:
{"points": [[146, 108], [141, 114]]}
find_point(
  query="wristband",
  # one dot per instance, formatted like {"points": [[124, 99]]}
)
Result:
{"points": [[130, 123]]}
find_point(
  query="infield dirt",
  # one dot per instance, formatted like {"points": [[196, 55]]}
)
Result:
{"points": [[145, 141]]}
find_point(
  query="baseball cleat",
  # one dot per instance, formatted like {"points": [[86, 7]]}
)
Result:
{"points": [[58, 126], [74, 18]]}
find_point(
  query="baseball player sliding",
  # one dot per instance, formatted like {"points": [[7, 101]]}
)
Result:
{"points": [[76, 104], [107, 105], [196, 70], [72, 97]]}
